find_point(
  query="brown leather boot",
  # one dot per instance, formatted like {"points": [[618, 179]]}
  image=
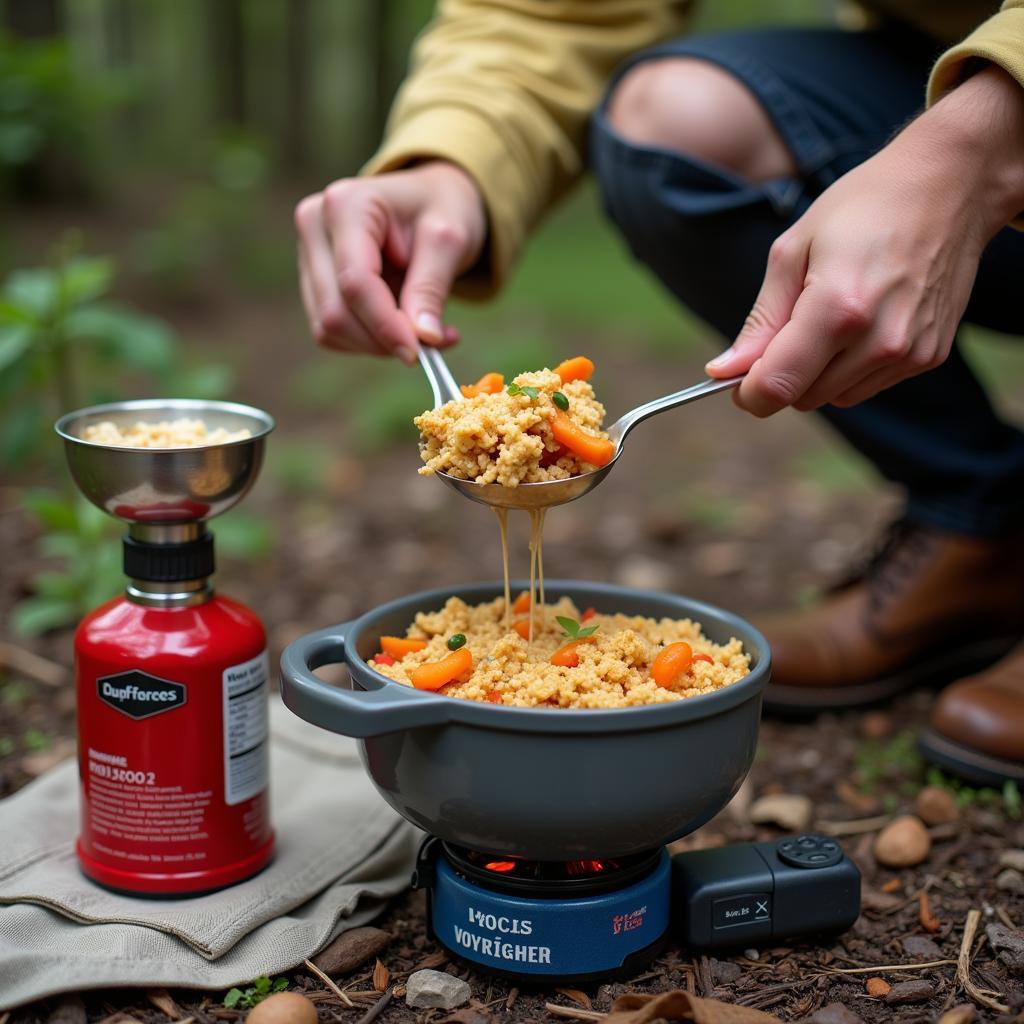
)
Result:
{"points": [[977, 727], [928, 608]]}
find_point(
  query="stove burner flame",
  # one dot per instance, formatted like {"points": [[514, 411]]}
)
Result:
{"points": [[583, 868], [501, 866]]}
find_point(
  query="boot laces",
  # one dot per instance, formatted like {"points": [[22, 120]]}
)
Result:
{"points": [[893, 562]]}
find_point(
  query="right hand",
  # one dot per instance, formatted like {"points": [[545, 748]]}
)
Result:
{"points": [[378, 256]]}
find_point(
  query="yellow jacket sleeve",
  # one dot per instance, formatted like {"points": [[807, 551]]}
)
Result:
{"points": [[999, 40], [503, 88]]}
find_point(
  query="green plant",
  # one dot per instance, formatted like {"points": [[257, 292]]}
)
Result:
{"points": [[892, 761], [56, 333], [45, 106], [255, 993], [83, 541]]}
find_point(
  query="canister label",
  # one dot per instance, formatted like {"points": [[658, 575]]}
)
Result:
{"points": [[140, 695], [245, 729]]}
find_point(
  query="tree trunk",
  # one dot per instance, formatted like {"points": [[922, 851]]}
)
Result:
{"points": [[297, 69], [227, 27]]}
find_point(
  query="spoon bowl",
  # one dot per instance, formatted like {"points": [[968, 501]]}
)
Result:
{"points": [[549, 493]]}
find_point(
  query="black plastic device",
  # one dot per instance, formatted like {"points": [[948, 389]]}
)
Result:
{"points": [[748, 894]]}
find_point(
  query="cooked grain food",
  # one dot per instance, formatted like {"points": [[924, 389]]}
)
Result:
{"points": [[546, 425], [617, 665], [181, 433]]}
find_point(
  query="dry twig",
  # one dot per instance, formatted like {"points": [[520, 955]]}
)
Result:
{"points": [[572, 1012], [327, 981], [28, 663], [378, 1008], [963, 969]]}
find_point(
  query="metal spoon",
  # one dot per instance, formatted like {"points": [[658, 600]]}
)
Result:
{"points": [[554, 492]]}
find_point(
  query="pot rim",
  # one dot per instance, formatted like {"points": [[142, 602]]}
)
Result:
{"points": [[565, 720]]}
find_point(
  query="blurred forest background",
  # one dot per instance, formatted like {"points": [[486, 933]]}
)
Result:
{"points": [[151, 154]]}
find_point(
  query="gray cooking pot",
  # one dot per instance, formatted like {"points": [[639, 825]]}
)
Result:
{"points": [[546, 783]]}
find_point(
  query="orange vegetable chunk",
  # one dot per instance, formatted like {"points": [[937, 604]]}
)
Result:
{"points": [[494, 696], [398, 646], [567, 656], [488, 384], [522, 627], [577, 368], [522, 604], [382, 659], [598, 451], [435, 674], [704, 657], [670, 664]]}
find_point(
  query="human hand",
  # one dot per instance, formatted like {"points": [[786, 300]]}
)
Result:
{"points": [[378, 256], [869, 286]]}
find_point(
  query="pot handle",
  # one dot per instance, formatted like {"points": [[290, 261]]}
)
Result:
{"points": [[350, 712]]}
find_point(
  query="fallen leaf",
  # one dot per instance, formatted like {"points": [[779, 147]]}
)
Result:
{"points": [[468, 1015], [433, 961], [381, 977], [893, 885], [929, 922], [578, 997]]}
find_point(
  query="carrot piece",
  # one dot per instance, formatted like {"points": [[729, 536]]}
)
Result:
{"points": [[577, 368], [587, 615], [672, 661], [488, 384], [522, 627], [567, 656], [598, 451], [398, 646], [382, 659], [522, 604], [435, 674], [494, 696], [704, 657]]}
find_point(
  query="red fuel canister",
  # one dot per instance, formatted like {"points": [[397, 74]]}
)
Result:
{"points": [[172, 729]]}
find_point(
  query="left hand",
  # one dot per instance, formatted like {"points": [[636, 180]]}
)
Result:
{"points": [[869, 286]]}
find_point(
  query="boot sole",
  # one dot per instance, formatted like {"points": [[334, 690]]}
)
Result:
{"points": [[808, 701], [972, 765]]}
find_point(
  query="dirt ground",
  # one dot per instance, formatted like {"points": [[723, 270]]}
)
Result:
{"points": [[708, 503]]}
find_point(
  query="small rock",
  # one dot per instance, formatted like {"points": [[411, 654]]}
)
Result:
{"points": [[877, 987], [725, 972], [875, 725], [1012, 859], [903, 843], [1010, 880], [752, 954], [350, 950], [787, 810], [936, 806], [921, 948], [835, 1013], [910, 992], [283, 1008], [962, 1014], [1009, 944], [436, 990]]}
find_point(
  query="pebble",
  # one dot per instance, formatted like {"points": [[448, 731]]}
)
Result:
{"points": [[910, 992], [436, 990], [725, 972], [921, 948], [936, 806], [877, 987], [1012, 859], [835, 1013], [903, 843], [1009, 944], [962, 1014], [787, 810], [283, 1008], [875, 725], [752, 954], [1010, 880]]}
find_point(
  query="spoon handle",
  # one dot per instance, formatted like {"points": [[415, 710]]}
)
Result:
{"points": [[629, 420], [442, 383]]}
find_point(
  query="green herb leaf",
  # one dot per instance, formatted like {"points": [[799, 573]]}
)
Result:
{"points": [[232, 998], [573, 630], [531, 392]]}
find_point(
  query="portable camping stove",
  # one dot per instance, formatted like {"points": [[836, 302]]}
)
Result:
{"points": [[581, 920]]}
